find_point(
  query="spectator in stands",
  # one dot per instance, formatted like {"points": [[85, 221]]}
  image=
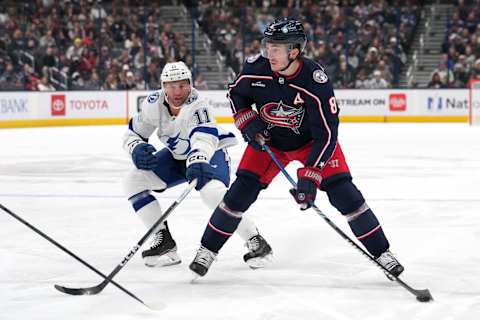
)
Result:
{"points": [[74, 27], [362, 81], [435, 82], [200, 83], [140, 83], [49, 60], [45, 85], [10, 75], [75, 50], [461, 72], [48, 40], [475, 75], [111, 82], [153, 81], [378, 81], [94, 82], [324, 55], [29, 79], [446, 76], [382, 66], [344, 78], [129, 82]]}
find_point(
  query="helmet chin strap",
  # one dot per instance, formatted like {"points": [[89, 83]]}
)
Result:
{"points": [[290, 61]]}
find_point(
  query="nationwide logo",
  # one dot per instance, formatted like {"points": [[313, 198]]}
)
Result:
{"points": [[398, 102], [282, 115], [57, 105], [439, 103]]}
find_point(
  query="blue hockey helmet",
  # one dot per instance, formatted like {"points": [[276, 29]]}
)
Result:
{"points": [[287, 31]]}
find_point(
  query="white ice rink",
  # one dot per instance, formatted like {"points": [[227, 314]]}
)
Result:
{"points": [[422, 181]]}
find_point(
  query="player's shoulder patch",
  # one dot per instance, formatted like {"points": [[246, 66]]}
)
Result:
{"points": [[253, 58], [153, 97], [320, 76], [192, 98]]}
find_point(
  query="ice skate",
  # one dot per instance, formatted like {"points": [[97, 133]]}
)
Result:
{"points": [[389, 262], [163, 251], [259, 252], [202, 261]]}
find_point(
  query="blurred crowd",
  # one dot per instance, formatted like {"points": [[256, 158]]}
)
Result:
{"points": [[86, 45], [460, 61], [362, 44], [119, 44]]}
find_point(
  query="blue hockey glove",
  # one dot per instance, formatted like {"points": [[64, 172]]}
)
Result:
{"points": [[199, 168], [254, 130], [143, 158], [309, 180]]}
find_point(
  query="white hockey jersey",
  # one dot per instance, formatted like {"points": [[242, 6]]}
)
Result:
{"points": [[193, 128]]}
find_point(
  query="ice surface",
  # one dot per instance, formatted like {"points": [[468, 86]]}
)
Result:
{"points": [[422, 180]]}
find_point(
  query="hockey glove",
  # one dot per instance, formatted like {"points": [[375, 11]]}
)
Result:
{"points": [[309, 180], [254, 130], [199, 168], [143, 158]]}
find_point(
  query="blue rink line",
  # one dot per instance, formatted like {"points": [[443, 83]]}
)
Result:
{"points": [[162, 196]]}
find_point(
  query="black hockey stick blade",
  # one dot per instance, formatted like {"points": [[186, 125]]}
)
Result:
{"points": [[58, 245], [80, 291], [421, 295], [99, 288], [424, 295]]}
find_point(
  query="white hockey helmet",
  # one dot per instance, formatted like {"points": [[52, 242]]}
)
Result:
{"points": [[175, 71]]}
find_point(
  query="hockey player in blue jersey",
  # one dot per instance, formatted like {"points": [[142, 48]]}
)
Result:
{"points": [[296, 115], [195, 148]]}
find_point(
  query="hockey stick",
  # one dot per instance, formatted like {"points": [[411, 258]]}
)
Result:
{"points": [[421, 295], [69, 253], [98, 288]]}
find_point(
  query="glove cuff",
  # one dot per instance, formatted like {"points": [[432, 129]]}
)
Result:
{"points": [[196, 156], [310, 173], [244, 117]]}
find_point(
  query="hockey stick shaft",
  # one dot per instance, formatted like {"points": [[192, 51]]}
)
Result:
{"points": [[131, 253], [58, 245], [415, 292]]}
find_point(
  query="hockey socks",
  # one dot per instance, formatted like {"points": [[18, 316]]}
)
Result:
{"points": [[220, 228], [147, 208], [367, 229]]}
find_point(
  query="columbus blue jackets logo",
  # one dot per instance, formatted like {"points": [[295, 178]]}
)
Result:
{"points": [[320, 76], [282, 115]]}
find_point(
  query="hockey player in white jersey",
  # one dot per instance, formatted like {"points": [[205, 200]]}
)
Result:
{"points": [[195, 149]]}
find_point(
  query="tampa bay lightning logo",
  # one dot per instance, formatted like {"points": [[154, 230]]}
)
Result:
{"points": [[177, 145], [282, 115], [153, 97]]}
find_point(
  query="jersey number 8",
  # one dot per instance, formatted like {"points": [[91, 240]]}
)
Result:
{"points": [[333, 105]]}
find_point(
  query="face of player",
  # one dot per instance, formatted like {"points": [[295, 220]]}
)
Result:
{"points": [[277, 54], [177, 91]]}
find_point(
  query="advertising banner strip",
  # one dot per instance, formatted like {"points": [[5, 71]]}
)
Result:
{"points": [[63, 108], [61, 122]]}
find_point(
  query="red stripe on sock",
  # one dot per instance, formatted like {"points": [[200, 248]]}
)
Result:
{"points": [[369, 233], [223, 233]]}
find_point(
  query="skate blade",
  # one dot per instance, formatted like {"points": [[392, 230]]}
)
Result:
{"points": [[260, 262], [165, 260]]}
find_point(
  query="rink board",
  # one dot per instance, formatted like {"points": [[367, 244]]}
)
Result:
{"points": [[32, 109]]}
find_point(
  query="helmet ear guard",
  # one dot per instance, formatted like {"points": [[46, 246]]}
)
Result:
{"points": [[175, 71]]}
